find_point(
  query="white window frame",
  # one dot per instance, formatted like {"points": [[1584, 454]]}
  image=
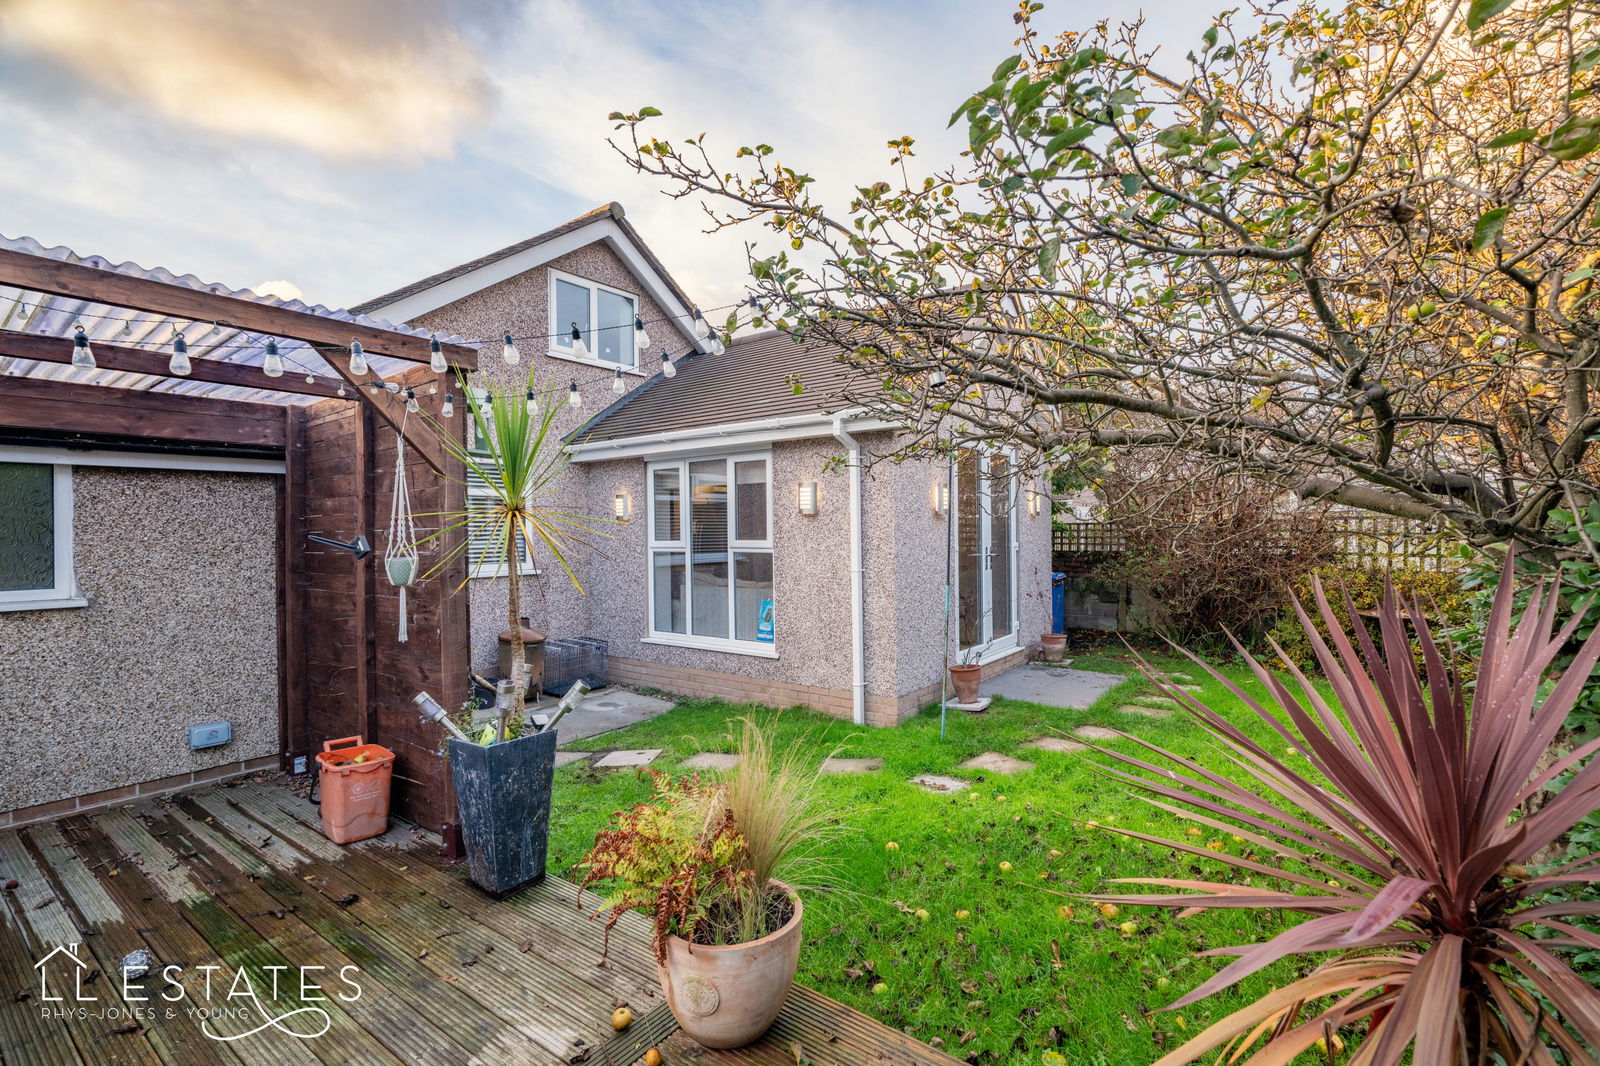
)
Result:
{"points": [[477, 569], [561, 331], [64, 592], [761, 649]]}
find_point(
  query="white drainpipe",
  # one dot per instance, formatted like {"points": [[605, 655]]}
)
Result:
{"points": [[858, 606]]}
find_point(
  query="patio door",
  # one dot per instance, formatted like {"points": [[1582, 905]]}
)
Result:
{"points": [[986, 551]]}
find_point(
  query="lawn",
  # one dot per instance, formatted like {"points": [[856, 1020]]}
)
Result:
{"points": [[1016, 978]]}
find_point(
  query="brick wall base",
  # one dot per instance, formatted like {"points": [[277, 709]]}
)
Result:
{"points": [[111, 797], [882, 711]]}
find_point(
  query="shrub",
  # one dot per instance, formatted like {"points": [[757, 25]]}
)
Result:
{"points": [[1443, 595], [1403, 842]]}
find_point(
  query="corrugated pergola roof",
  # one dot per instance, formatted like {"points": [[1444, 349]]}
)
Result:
{"points": [[38, 314]]}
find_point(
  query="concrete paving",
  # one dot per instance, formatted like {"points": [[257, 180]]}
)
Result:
{"points": [[1055, 743], [1051, 686], [1096, 732], [618, 760], [836, 766], [939, 783], [712, 760], [1146, 712], [994, 762], [565, 757], [603, 711]]}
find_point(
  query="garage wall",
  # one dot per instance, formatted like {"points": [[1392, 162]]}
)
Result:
{"points": [[180, 568]]}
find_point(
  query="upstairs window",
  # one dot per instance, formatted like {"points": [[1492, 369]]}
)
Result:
{"points": [[605, 316]]}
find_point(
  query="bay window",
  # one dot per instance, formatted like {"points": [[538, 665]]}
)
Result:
{"points": [[710, 544]]}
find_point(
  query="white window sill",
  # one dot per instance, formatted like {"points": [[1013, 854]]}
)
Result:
{"points": [[44, 602], [732, 647], [556, 353]]}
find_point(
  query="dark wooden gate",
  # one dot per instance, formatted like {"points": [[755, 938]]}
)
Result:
{"points": [[346, 673]]}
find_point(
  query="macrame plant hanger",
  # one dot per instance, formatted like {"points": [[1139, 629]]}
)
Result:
{"points": [[400, 551]]}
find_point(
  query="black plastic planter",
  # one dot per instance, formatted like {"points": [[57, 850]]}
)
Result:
{"points": [[503, 800]]}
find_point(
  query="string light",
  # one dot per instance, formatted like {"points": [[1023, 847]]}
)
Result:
{"points": [[358, 359], [273, 367], [449, 408], [755, 304], [579, 348], [715, 345], [341, 390], [412, 406], [616, 382], [509, 352], [311, 379], [702, 328], [641, 339], [573, 398], [82, 354], [937, 378], [533, 403], [667, 369], [436, 361], [179, 363]]}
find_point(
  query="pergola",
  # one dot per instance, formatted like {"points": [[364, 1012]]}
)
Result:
{"points": [[341, 670]]}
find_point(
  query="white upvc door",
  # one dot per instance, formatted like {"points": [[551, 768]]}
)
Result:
{"points": [[986, 551]]}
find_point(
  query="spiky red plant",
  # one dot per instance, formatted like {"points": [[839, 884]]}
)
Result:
{"points": [[1406, 847]]}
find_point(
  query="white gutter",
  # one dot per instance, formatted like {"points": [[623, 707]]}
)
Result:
{"points": [[858, 606], [723, 435]]}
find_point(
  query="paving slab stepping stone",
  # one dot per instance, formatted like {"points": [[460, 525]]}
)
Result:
{"points": [[620, 759], [1096, 732], [1055, 743], [851, 766], [1146, 712], [712, 760], [1157, 701], [565, 757], [1190, 688], [977, 706], [939, 783], [995, 763]]}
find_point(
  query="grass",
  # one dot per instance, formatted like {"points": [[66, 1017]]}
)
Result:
{"points": [[1015, 979]]}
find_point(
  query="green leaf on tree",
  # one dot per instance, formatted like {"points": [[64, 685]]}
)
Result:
{"points": [[1003, 71], [1482, 11], [1049, 254], [1131, 183], [649, 112], [1490, 223], [1505, 140], [1067, 138], [1573, 139]]}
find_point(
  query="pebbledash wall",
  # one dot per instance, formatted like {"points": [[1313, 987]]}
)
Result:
{"points": [[519, 306], [180, 570]]}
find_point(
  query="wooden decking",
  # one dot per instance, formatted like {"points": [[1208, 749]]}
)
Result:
{"points": [[233, 885]]}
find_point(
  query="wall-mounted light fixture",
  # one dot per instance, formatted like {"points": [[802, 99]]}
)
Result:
{"points": [[941, 498], [1035, 503], [808, 497], [622, 507]]}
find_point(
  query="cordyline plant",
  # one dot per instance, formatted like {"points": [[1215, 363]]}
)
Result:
{"points": [[1410, 860]]}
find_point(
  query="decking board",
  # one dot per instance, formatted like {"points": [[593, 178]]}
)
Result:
{"points": [[239, 874]]}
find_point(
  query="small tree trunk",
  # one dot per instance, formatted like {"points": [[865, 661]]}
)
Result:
{"points": [[519, 654]]}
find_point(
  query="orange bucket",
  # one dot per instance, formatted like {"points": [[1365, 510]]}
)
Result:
{"points": [[355, 795]]}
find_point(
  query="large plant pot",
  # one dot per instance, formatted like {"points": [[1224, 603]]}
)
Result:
{"points": [[964, 679], [503, 800], [1052, 647], [726, 997]]}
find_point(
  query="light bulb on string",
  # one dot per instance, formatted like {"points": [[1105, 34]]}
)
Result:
{"points": [[755, 303], [616, 382], [311, 379], [412, 406], [273, 366], [937, 378], [82, 354], [436, 361], [532, 403], [358, 358], [641, 338], [717, 347], [341, 390], [574, 399], [179, 363], [702, 328], [509, 352], [449, 408], [579, 348], [667, 369]]}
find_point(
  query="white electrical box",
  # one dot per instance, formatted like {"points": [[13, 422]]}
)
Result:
{"points": [[210, 735]]}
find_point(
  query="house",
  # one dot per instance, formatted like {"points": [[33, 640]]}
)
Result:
{"points": [[746, 563]]}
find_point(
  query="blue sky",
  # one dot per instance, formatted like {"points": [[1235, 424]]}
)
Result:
{"points": [[350, 146]]}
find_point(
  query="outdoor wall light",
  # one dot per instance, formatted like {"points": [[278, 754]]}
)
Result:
{"points": [[808, 497], [1035, 503], [941, 498], [622, 507]]}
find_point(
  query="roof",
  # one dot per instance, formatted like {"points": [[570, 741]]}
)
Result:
{"points": [[755, 377], [612, 211], [39, 314]]}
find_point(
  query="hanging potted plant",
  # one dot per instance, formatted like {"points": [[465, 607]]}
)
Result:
{"points": [[502, 777], [716, 864]]}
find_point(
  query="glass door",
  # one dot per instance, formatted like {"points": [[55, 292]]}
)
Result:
{"points": [[986, 551]]}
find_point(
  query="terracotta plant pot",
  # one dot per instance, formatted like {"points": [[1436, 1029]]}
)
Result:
{"points": [[726, 997], [1053, 647], [965, 681]]}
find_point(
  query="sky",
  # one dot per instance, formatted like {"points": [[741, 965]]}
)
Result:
{"points": [[337, 149]]}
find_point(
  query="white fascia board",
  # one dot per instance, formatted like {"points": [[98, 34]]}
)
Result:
{"points": [[601, 229], [139, 460], [728, 436]]}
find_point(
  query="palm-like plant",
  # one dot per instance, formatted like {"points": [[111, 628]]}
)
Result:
{"points": [[519, 457], [1408, 852]]}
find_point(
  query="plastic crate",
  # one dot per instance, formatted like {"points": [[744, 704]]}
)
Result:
{"points": [[574, 659]]}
